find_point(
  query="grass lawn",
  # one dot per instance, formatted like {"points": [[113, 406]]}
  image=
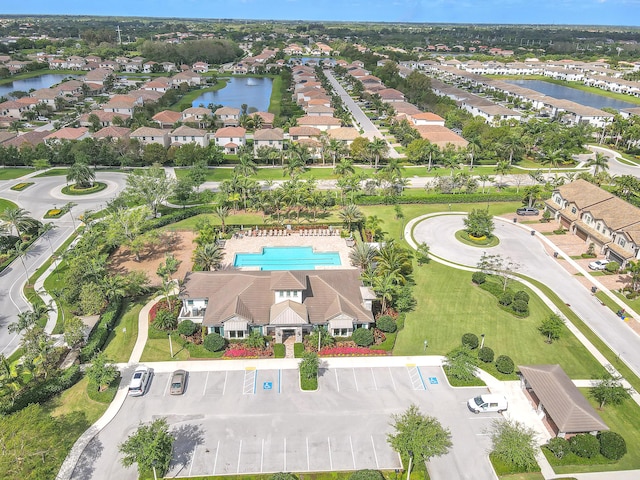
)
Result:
{"points": [[4, 204], [157, 350], [76, 399], [55, 283], [54, 172], [523, 476], [13, 173], [269, 173], [449, 305], [120, 343], [623, 419]]}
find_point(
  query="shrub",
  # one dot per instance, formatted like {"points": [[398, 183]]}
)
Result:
{"points": [[214, 342], [386, 324], [362, 337], [165, 320], [470, 340], [521, 295], [520, 306], [187, 328], [283, 476], [298, 350], [254, 340], [585, 445], [612, 445], [504, 364], [612, 267], [366, 475], [99, 335], [506, 298], [478, 278], [559, 446], [486, 355], [279, 350]]}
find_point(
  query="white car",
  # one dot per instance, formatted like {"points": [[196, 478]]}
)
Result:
{"points": [[140, 381], [598, 265], [488, 403]]}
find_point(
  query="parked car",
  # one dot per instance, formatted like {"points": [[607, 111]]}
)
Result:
{"points": [[527, 211], [178, 381], [598, 265], [488, 403], [140, 381]]}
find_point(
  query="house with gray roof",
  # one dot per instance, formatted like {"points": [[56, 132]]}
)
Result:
{"points": [[278, 303]]}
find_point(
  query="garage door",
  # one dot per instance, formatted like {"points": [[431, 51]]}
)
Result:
{"points": [[582, 235], [566, 223]]}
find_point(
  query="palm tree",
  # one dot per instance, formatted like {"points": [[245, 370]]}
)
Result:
{"points": [[450, 159], [222, 212], [18, 218], [296, 160], [81, 174], [384, 285], [345, 167], [378, 148], [502, 168], [513, 146], [208, 256], [20, 250], [246, 166], [484, 179], [394, 261], [336, 149], [114, 286], [600, 162], [473, 149], [351, 215], [362, 255]]}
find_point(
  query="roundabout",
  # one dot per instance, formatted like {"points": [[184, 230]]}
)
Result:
{"points": [[74, 190]]}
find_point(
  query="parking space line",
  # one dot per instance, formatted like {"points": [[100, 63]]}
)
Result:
{"points": [[375, 384], [204, 391], [375, 455], [262, 456], [308, 464], [239, 456], [393, 382], [249, 384], [224, 385], [330, 458], [193, 459], [337, 382], [285, 455], [353, 456], [279, 379], [355, 380], [215, 461], [424, 385], [164, 394]]}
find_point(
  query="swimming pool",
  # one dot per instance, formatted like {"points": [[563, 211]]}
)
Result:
{"points": [[287, 258]]}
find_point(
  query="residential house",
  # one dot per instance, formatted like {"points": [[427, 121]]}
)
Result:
{"points": [[319, 122], [599, 218], [266, 119], [345, 135], [112, 133], [268, 137], [167, 118], [99, 75], [184, 134], [13, 109], [230, 138], [441, 136], [320, 110], [303, 133], [30, 139], [427, 118], [46, 96], [122, 104], [229, 116], [189, 77], [198, 115], [105, 119], [67, 134], [276, 303], [200, 67], [148, 135]]}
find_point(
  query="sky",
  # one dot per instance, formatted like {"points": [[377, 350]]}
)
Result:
{"points": [[578, 12]]}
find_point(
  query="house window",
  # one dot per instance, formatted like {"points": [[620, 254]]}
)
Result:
{"points": [[622, 243], [288, 293], [295, 293], [144, 139], [190, 302], [281, 293], [573, 209]]}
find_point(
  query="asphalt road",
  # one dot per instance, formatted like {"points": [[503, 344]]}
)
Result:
{"points": [[259, 421], [370, 131], [527, 251], [38, 199]]}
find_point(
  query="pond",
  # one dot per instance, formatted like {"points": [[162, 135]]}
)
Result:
{"points": [[573, 94], [255, 92], [26, 84]]}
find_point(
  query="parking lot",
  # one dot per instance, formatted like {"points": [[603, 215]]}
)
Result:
{"points": [[259, 421]]}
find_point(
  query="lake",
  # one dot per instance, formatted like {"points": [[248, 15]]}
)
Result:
{"points": [[26, 84], [573, 94], [255, 92]]}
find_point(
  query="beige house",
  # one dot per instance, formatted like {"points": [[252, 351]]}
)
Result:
{"points": [[148, 135], [229, 116], [278, 303], [184, 134], [268, 137], [230, 138], [320, 122], [599, 217]]}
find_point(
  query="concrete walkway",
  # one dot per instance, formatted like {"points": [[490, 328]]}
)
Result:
{"points": [[525, 412]]}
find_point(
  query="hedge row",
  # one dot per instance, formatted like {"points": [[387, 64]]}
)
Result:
{"points": [[177, 216], [101, 331], [432, 198], [41, 392]]}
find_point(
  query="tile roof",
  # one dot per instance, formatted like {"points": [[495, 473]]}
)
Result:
{"points": [[311, 120], [68, 133], [343, 133], [269, 134], [583, 193], [440, 135], [230, 132], [186, 131], [304, 131], [227, 111], [167, 116], [112, 132], [149, 132]]}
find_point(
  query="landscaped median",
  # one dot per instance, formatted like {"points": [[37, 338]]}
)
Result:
{"points": [[21, 186], [75, 190]]}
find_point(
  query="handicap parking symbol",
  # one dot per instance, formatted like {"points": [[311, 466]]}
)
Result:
{"points": [[433, 380], [267, 385]]}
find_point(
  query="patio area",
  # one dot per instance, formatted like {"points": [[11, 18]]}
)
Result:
{"points": [[254, 244]]}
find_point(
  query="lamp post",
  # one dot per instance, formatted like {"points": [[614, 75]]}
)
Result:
{"points": [[482, 342], [170, 345], [410, 462], [426, 344]]}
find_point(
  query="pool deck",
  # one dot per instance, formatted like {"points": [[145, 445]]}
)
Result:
{"points": [[318, 243]]}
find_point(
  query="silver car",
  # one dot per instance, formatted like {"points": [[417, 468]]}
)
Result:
{"points": [[178, 381], [140, 381]]}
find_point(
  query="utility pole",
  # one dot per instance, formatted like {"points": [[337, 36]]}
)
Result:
{"points": [[119, 35]]}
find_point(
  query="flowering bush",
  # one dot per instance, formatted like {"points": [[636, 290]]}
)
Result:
{"points": [[342, 351], [54, 212], [242, 351]]}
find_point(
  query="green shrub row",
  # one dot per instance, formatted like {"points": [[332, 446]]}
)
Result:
{"points": [[610, 445], [432, 198], [298, 350], [43, 391], [279, 350], [101, 331], [177, 216]]}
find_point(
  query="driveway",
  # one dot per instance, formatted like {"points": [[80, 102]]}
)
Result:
{"points": [[259, 421], [536, 262], [38, 199]]}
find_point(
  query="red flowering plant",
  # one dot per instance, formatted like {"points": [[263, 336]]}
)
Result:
{"points": [[341, 351], [242, 351]]}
